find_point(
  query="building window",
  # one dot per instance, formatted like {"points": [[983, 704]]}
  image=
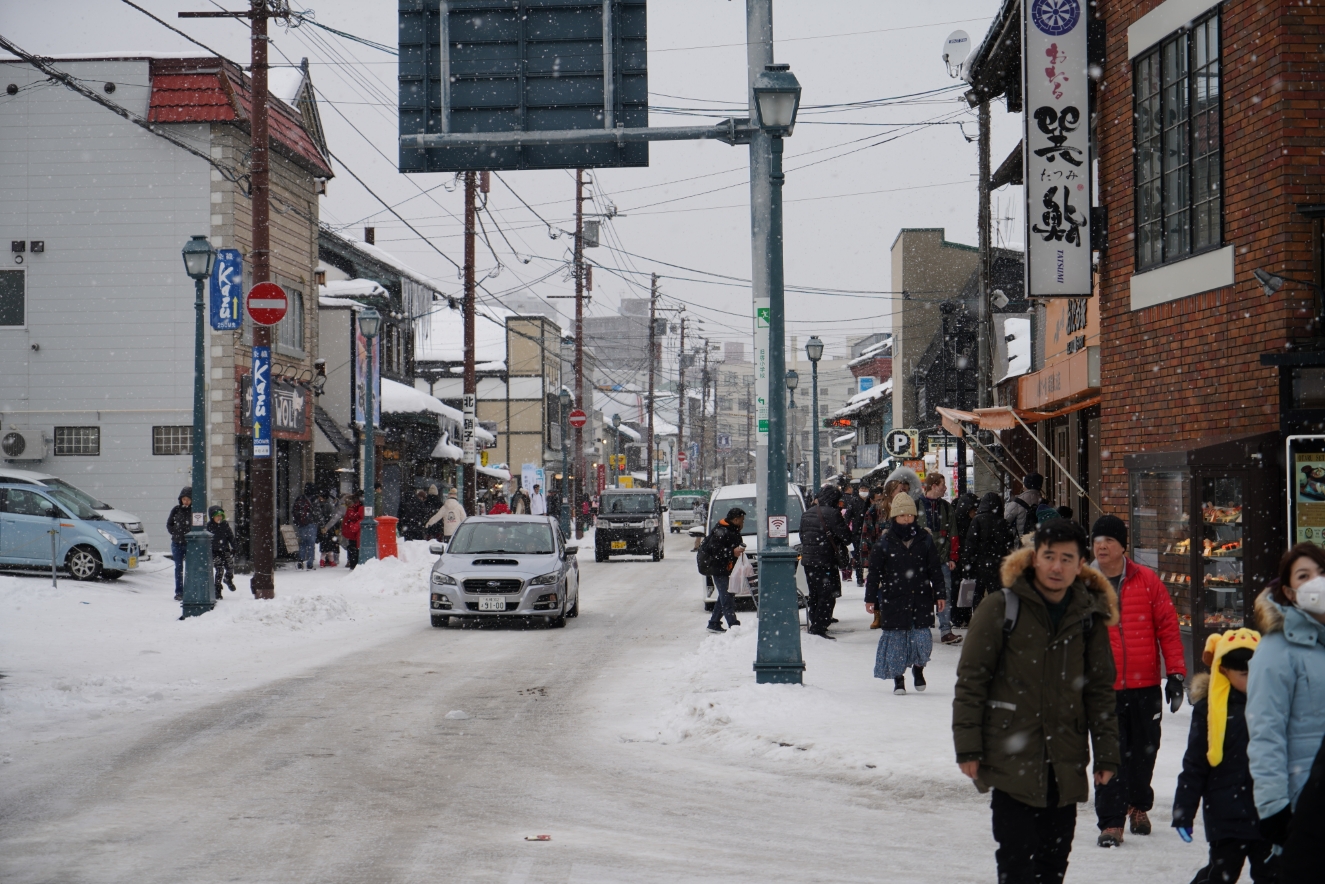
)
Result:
{"points": [[12, 300], [290, 330], [77, 441], [1179, 167], [172, 440]]}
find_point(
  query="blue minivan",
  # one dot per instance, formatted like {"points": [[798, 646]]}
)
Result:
{"points": [[86, 544]]}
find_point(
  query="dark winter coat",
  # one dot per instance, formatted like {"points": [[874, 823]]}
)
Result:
{"points": [[904, 580], [987, 542], [1149, 626], [818, 524], [1229, 809], [719, 548], [872, 528], [941, 519], [855, 515], [305, 510], [1043, 695], [962, 507], [414, 515], [179, 522], [223, 539]]}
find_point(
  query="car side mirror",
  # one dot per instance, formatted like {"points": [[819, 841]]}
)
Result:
{"points": [[696, 531], [52, 513], [437, 548], [572, 550]]}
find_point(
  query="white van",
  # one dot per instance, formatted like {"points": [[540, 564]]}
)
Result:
{"points": [[128, 521], [743, 496]]}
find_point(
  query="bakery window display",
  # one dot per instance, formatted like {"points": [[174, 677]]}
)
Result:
{"points": [[1221, 553]]}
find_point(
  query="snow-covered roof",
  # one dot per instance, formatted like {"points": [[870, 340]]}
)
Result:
{"points": [[385, 257], [843, 440], [284, 82], [400, 399], [863, 400], [446, 451], [325, 301], [480, 366], [632, 434], [352, 288], [495, 473]]}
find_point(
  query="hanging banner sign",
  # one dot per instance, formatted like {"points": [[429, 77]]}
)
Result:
{"points": [[1056, 86], [262, 402], [468, 437], [226, 291], [763, 312]]}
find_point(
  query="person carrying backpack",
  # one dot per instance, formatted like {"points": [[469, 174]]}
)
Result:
{"points": [[716, 556], [1020, 510], [825, 539], [306, 516], [1034, 703]]}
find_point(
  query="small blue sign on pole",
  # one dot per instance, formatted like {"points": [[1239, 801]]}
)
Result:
{"points": [[227, 290], [262, 402]]}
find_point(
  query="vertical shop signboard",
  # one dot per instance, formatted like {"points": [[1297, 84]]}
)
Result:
{"points": [[1056, 86], [468, 436], [262, 402], [226, 291], [1306, 488], [601, 476]]}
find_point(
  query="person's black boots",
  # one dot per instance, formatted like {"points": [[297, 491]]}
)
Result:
{"points": [[899, 685], [918, 673]]}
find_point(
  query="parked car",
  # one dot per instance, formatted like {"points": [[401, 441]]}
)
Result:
{"points": [[87, 545], [686, 507], [504, 566], [743, 496], [128, 521], [630, 522]]}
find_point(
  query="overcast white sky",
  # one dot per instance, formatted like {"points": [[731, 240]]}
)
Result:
{"points": [[690, 207]]}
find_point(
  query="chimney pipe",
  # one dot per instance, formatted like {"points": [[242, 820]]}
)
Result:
{"points": [[370, 235]]}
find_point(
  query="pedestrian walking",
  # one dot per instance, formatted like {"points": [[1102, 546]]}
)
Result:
{"points": [[334, 513], [905, 587], [825, 541], [872, 528], [1215, 770], [1147, 632], [964, 508], [988, 540], [305, 513], [178, 524], [719, 553], [857, 505], [432, 528], [1020, 510], [451, 514], [1034, 701], [499, 507], [942, 521], [537, 502], [223, 550], [520, 504], [414, 514], [1286, 712], [350, 527]]}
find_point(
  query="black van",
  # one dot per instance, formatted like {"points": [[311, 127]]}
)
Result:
{"points": [[630, 523]]}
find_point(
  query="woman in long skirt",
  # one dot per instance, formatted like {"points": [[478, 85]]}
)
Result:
{"points": [[905, 587]]}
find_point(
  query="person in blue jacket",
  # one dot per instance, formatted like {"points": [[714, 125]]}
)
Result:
{"points": [[1286, 688]]}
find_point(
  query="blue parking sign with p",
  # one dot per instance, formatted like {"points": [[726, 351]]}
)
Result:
{"points": [[227, 291]]}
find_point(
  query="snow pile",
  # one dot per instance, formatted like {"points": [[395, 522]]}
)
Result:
{"points": [[293, 612]]}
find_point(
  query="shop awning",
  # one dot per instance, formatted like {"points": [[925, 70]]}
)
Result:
{"points": [[495, 473]]}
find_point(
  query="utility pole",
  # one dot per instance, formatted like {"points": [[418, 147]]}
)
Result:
{"points": [[703, 418], [683, 405], [262, 473], [749, 428], [577, 486], [470, 493], [653, 315], [986, 361]]}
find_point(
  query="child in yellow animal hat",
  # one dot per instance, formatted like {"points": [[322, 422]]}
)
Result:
{"points": [[1215, 772]]}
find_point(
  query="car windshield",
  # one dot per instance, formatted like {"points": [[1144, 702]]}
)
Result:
{"points": [[629, 503], [751, 526], [74, 504], [75, 493], [516, 538]]}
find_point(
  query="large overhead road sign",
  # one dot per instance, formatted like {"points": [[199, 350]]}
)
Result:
{"points": [[512, 70]]}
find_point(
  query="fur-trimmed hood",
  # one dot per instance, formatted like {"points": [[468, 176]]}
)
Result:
{"points": [[1269, 616], [1019, 562], [1198, 688]]}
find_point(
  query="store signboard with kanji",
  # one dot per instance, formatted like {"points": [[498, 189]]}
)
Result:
{"points": [[1056, 85]]}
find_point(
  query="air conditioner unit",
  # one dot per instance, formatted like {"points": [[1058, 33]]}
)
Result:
{"points": [[19, 443]]}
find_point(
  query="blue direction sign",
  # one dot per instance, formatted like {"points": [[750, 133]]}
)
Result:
{"points": [[262, 402], [227, 290]]}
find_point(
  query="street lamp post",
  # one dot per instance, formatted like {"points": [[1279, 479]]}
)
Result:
{"points": [[793, 381], [370, 322], [778, 659], [616, 449], [565, 398], [814, 349], [199, 256]]}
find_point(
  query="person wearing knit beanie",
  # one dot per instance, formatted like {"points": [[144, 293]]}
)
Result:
{"points": [[1216, 771], [902, 505]]}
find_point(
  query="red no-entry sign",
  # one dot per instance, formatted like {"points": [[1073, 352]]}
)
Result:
{"points": [[578, 418], [266, 303]]}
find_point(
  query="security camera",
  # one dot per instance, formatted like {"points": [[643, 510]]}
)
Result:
{"points": [[1000, 300]]}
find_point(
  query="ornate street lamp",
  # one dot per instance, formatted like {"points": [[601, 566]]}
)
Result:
{"points": [[814, 349], [199, 256], [370, 323], [778, 660]]}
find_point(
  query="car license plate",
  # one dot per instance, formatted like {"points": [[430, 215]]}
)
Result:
{"points": [[133, 561], [618, 544], [491, 603]]}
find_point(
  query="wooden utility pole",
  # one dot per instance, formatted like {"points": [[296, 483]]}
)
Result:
{"points": [[703, 418], [470, 493], [683, 405], [653, 315], [985, 384], [577, 487]]}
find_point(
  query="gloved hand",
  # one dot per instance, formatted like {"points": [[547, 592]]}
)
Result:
{"points": [[1184, 833], [1275, 828], [1173, 692]]}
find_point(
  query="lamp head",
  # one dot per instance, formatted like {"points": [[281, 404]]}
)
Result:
{"points": [[777, 99], [793, 379], [814, 348], [370, 322], [616, 420], [999, 299], [199, 256], [1269, 282], [565, 397]]}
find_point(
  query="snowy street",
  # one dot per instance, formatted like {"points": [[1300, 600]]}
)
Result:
{"points": [[334, 735]]}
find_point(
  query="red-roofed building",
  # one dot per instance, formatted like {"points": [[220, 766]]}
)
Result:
{"points": [[105, 301]]}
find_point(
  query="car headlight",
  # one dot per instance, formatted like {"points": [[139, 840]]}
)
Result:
{"points": [[650, 523], [546, 579], [444, 579], [109, 537]]}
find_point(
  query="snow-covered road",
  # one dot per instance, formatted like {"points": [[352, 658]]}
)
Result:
{"points": [[334, 735]]}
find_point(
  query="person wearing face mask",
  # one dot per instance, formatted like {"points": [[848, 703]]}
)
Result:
{"points": [[905, 587], [1286, 712], [857, 505]]}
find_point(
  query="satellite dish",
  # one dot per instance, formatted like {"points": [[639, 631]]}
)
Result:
{"points": [[956, 49]]}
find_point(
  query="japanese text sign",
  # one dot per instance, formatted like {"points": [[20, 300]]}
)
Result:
{"points": [[1057, 148], [226, 291], [262, 402]]}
